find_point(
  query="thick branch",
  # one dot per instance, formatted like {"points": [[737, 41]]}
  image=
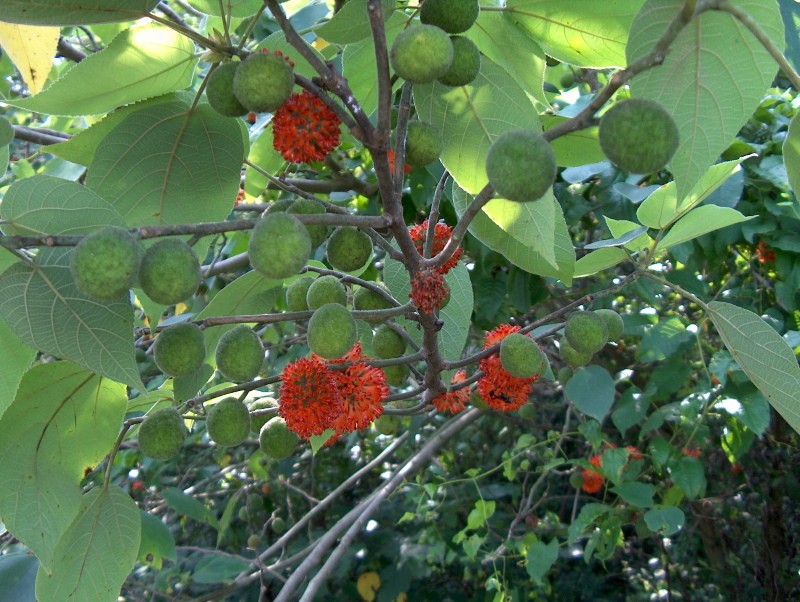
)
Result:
{"points": [[41, 136]]}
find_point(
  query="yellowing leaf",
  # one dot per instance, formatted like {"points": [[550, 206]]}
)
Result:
{"points": [[30, 48], [367, 585]]}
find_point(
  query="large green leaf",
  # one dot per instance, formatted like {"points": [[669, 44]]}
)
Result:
{"points": [[711, 81], [43, 307], [62, 421], [592, 391], [141, 62], [526, 253], [234, 8], [599, 260], [74, 12], [701, 221], [576, 148], [351, 23], [47, 205], [764, 356], [169, 164], [791, 153], [470, 117], [96, 553], [17, 359], [586, 33]]}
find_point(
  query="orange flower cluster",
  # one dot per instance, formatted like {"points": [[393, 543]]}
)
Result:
{"points": [[497, 387], [453, 401], [428, 290], [406, 167], [764, 253], [304, 128], [593, 480], [314, 398], [692, 452], [441, 234]]}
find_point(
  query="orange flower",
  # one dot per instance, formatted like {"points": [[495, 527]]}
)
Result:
{"points": [[633, 453], [497, 387], [406, 168], [764, 253], [592, 480], [453, 401], [308, 397], [692, 452], [441, 234], [305, 129], [428, 290], [361, 389]]}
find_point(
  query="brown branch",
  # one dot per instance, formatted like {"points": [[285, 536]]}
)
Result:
{"points": [[68, 51], [41, 136]]}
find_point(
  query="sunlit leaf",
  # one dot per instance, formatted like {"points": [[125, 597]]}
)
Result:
{"points": [[31, 49]]}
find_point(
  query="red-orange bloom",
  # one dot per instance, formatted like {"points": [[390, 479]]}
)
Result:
{"points": [[308, 397], [441, 234], [764, 253], [498, 388], [305, 129], [390, 154], [428, 290], [692, 452], [361, 389], [633, 453], [453, 401], [592, 480]]}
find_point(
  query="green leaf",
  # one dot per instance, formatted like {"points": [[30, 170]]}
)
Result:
{"points": [[576, 148], [661, 208], [764, 356], [711, 81], [791, 153], [636, 494], [470, 117], [701, 221], [540, 557], [74, 12], [18, 577], [587, 517], [665, 520], [17, 359], [631, 408], [621, 228], [585, 34], [218, 568], [96, 553], [472, 545], [592, 391], [528, 223], [528, 258], [351, 23], [755, 413], [47, 205], [234, 8], [599, 260], [141, 62], [263, 155], [662, 340], [157, 542], [319, 441], [688, 474], [43, 307], [480, 514], [187, 505], [62, 421], [168, 164]]}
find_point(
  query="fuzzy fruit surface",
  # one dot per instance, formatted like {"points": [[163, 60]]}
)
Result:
{"points": [[239, 354], [638, 135], [521, 165], [179, 349], [466, 63], [104, 263], [263, 82], [326, 289], [228, 422], [331, 331], [161, 434], [348, 249], [586, 332], [317, 232], [387, 344], [169, 271], [367, 300], [296, 294], [387, 425], [613, 322], [521, 357], [219, 91], [276, 440], [396, 375], [454, 16], [279, 245], [423, 143], [278, 525], [265, 403], [572, 356], [421, 53]]}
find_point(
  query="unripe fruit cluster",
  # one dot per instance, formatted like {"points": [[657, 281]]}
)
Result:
{"points": [[586, 332], [260, 83]]}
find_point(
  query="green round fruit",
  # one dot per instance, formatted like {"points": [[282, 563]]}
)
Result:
{"points": [[613, 322], [466, 63], [324, 290], [331, 331], [317, 232], [421, 53], [521, 357], [365, 299], [586, 332], [263, 82], [387, 425], [161, 434], [454, 16], [169, 272], [296, 294], [278, 525], [219, 91], [571, 355], [387, 344], [180, 349], [396, 375], [348, 249], [279, 205], [104, 263], [521, 165], [253, 542], [239, 354], [228, 422], [423, 143], [564, 374], [567, 80], [638, 135], [276, 440], [265, 403], [243, 514], [279, 246]]}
